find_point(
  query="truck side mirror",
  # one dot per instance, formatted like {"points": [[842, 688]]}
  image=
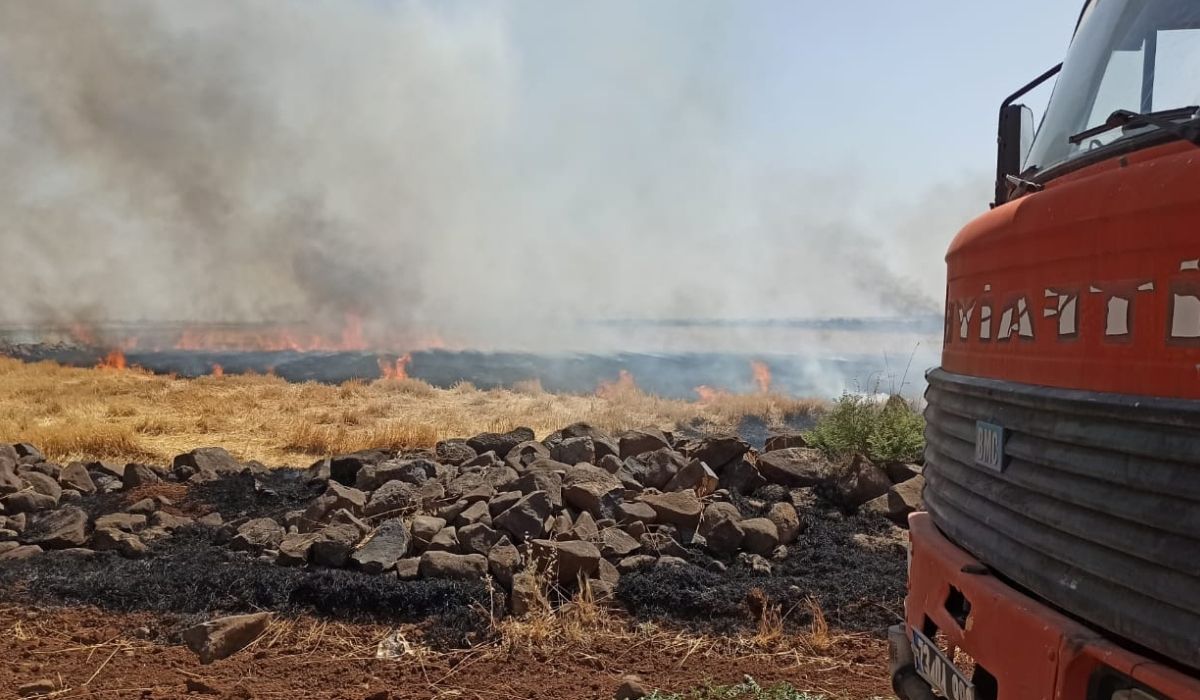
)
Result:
{"points": [[1015, 136]]}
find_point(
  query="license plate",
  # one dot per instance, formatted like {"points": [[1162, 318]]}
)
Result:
{"points": [[989, 445], [935, 668]]}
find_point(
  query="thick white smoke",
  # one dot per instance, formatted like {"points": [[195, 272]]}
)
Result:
{"points": [[298, 161]]}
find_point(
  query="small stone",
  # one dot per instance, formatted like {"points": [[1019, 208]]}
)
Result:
{"points": [[740, 476], [36, 688], [42, 484], [584, 527], [615, 542], [631, 688], [635, 562], [630, 512], [695, 476], [542, 480], [782, 441], [215, 460], [453, 452], [146, 506], [755, 563], [21, 552], [503, 501], [500, 443], [408, 569], [526, 453], [223, 637]]}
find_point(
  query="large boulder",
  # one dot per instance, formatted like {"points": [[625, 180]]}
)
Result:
{"points": [[592, 489], [681, 508], [27, 501], [761, 536], [57, 529], [575, 450], [526, 453], [787, 521], [654, 469], [602, 443], [412, 471], [696, 476], [459, 567], [138, 475], [294, 548], [566, 560], [782, 441], [213, 460], [336, 497], [223, 637], [635, 442], [796, 466], [860, 481], [42, 484], [479, 538], [526, 519], [393, 498], [75, 476], [740, 476], [454, 452], [615, 542], [119, 541], [720, 526], [9, 481], [388, 544], [717, 450], [905, 498], [424, 529], [344, 468], [500, 443], [333, 545], [257, 534], [503, 561], [542, 480]]}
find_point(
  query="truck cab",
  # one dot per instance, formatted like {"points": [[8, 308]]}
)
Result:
{"points": [[1058, 555]]}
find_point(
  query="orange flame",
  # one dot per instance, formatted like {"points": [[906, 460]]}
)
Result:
{"points": [[218, 370], [762, 375], [624, 383], [397, 370], [708, 394], [115, 359]]}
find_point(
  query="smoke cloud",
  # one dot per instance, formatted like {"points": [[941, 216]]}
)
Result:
{"points": [[254, 161]]}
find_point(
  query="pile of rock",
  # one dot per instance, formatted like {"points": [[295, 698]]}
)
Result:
{"points": [[578, 504]]}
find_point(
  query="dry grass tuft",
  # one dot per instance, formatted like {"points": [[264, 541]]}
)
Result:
{"points": [[74, 413]]}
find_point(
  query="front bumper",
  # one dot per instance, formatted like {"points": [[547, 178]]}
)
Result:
{"points": [[1031, 650]]}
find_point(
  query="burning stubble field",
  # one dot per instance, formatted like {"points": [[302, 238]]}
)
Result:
{"points": [[390, 539]]}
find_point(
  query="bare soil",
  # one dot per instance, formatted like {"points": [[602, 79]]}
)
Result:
{"points": [[89, 653]]}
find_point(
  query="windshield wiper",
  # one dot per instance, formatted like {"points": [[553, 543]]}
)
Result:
{"points": [[1123, 118]]}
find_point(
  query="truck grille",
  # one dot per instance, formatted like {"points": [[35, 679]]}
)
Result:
{"points": [[1097, 509]]}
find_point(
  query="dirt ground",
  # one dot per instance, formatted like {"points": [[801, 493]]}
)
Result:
{"points": [[87, 653]]}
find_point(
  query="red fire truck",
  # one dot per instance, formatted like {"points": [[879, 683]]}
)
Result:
{"points": [[1059, 554]]}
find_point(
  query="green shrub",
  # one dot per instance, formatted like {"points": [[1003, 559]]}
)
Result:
{"points": [[884, 432]]}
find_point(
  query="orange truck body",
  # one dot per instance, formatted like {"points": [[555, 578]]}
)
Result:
{"points": [[1059, 553]]}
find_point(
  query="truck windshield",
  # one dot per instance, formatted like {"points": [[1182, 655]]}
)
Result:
{"points": [[1136, 55]]}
